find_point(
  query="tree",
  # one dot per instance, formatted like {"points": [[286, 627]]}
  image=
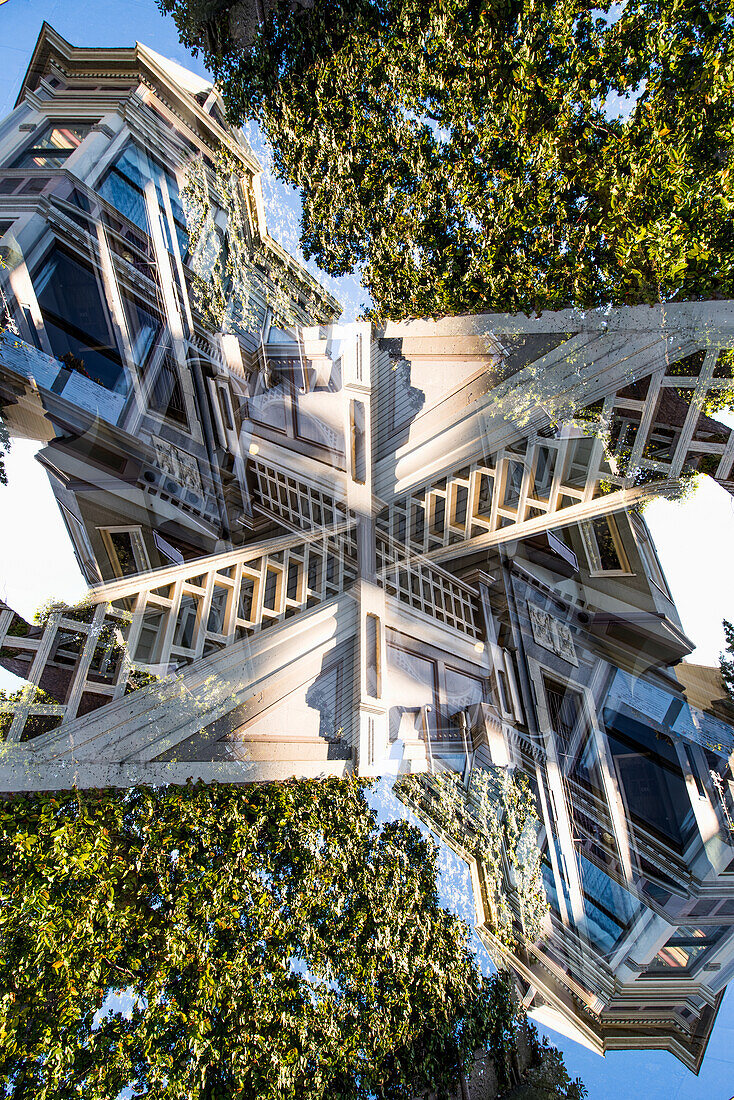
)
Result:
{"points": [[546, 1076], [273, 942], [464, 155], [494, 821]]}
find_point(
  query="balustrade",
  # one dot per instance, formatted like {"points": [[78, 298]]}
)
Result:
{"points": [[153, 623]]}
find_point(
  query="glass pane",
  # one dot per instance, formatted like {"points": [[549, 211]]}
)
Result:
{"points": [[51, 148], [651, 780], [167, 396], [484, 498], [145, 651], [121, 194], [564, 709], [215, 622], [122, 545], [462, 692], [685, 946], [545, 465], [247, 592], [412, 685], [71, 291], [144, 327], [513, 484], [124, 188], [77, 355], [608, 556], [271, 590], [63, 135], [77, 322]]}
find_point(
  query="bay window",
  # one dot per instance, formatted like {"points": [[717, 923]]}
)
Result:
{"points": [[53, 145], [77, 320]]}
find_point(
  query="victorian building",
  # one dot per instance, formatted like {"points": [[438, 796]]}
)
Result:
{"points": [[318, 548]]}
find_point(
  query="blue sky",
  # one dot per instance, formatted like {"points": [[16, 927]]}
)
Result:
{"points": [[700, 531]]}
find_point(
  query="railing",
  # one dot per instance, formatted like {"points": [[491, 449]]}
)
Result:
{"points": [[156, 622], [426, 587], [78, 653], [293, 501]]}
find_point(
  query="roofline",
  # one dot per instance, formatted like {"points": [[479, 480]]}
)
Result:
{"points": [[141, 57], [50, 41]]}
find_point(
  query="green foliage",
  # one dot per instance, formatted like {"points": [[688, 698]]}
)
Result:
{"points": [[495, 821], [547, 1075], [228, 265], [722, 400], [221, 262], [460, 155], [274, 941], [35, 724], [726, 660], [81, 612]]}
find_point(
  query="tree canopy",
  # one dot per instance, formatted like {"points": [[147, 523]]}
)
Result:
{"points": [[273, 941], [464, 155]]}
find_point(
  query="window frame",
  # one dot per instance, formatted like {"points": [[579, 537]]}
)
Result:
{"points": [[593, 555], [113, 169], [33, 149], [649, 556], [699, 961], [139, 549], [113, 354], [442, 662]]}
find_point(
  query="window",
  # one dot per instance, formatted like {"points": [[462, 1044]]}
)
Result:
{"points": [[144, 327], [153, 357], [150, 635], [545, 467], [53, 145], [649, 557], [609, 909], [513, 483], [413, 685], [167, 397], [186, 623], [77, 321], [80, 541], [359, 452], [124, 188], [462, 692], [225, 405], [425, 679], [686, 946], [504, 692], [604, 548], [218, 116], [564, 711], [126, 550], [374, 671], [650, 779], [576, 466]]}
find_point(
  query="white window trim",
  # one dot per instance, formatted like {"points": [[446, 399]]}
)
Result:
{"points": [[140, 553], [646, 549], [591, 547]]}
